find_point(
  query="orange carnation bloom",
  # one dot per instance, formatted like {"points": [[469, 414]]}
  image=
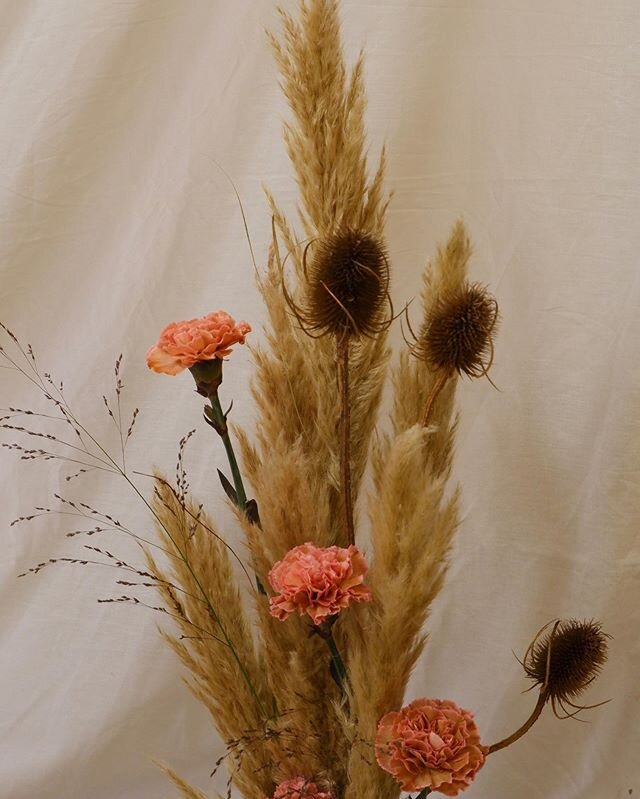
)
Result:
{"points": [[183, 344], [431, 743], [317, 581]]}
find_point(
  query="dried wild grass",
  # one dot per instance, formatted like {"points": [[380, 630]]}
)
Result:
{"points": [[296, 388], [294, 466], [326, 139]]}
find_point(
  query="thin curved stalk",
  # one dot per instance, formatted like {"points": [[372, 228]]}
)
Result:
{"points": [[345, 449], [542, 701]]}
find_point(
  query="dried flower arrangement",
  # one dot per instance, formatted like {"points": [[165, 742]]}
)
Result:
{"points": [[345, 629]]}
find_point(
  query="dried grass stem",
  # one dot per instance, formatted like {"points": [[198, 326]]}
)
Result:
{"points": [[345, 450], [433, 396]]}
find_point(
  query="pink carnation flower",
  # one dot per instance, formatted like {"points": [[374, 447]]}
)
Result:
{"points": [[183, 344], [317, 581], [431, 743], [300, 788]]}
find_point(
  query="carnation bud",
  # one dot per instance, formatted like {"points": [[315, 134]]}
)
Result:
{"points": [[348, 285], [208, 376]]}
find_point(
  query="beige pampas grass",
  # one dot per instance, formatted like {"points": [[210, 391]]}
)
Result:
{"points": [[186, 790], [326, 139], [294, 466], [413, 519], [414, 379], [295, 463], [413, 523], [296, 386], [215, 642]]}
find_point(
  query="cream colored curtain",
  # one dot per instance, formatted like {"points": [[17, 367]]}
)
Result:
{"points": [[116, 218]]}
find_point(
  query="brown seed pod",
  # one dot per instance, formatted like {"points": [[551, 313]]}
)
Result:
{"points": [[563, 661], [347, 286], [458, 332]]}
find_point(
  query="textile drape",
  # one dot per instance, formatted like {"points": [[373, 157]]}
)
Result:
{"points": [[118, 117]]}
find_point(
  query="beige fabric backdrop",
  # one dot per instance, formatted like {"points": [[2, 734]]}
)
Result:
{"points": [[522, 116]]}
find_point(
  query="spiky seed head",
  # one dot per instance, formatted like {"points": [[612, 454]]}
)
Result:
{"points": [[348, 285], [458, 332], [578, 653]]}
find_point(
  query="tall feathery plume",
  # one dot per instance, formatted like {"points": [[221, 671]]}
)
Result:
{"points": [[414, 518], [296, 466], [186, 791], [216, 644], [414, 379]]}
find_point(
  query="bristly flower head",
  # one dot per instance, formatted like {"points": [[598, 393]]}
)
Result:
{"points": [[563, 661], [457, 335], [347, 286]]}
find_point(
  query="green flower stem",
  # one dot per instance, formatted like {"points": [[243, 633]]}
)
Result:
{"points": [[339, 667], [223, 432], [424, 792], [219, 421]]}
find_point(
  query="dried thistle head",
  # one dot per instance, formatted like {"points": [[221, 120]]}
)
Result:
{"points": [[347, 286], [563, 661], [458, 332]]}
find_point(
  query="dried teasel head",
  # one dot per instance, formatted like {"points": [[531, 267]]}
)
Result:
{"points": [[562, 662], [458, 332], [565, 659], [347, 286]]}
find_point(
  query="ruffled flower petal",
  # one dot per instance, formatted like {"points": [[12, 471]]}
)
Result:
{"points": [[317, 581], [183, 344], [431, 743]]}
